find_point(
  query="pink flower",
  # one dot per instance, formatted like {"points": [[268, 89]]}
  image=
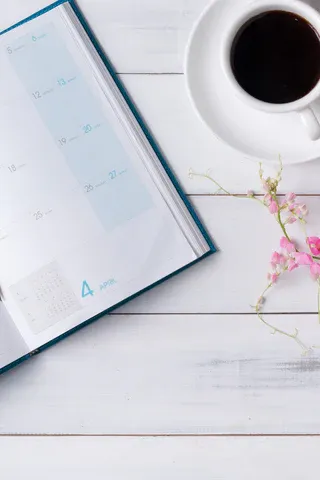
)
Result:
{"points": [[267, 199], [303, 210], [314, 244], [292, 265], [315, 270], [303, 258], [287, 245], [275, 258], [272, 277], [299, 209], [273, 207], [290, 197], [265, 186], [291, 220]]}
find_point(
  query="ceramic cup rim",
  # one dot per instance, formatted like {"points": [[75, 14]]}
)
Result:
{"points": [[298, 7]]}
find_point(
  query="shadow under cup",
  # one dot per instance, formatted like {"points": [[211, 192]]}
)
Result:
{"points": [[275, 57]]}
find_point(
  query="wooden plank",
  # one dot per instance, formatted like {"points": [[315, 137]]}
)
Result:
{"points": [[232, 279], [187, 142], [158, 458], [140, 36], [169, 374]]}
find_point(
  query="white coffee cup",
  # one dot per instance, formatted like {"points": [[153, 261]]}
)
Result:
{"points": [[304, 106]]}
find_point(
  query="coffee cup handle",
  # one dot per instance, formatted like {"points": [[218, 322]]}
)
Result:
{"points": [[310, 122]]}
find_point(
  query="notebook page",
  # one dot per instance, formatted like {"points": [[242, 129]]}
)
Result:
{"points": [[12, 345], [82, 225]]}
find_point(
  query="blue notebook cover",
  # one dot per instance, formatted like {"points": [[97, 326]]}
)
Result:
{"points": [[154, 147]]}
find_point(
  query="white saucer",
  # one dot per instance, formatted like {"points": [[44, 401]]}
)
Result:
{"points": [[258, 135]]}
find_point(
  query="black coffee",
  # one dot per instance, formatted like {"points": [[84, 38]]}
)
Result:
{"points": [[275, 57]]}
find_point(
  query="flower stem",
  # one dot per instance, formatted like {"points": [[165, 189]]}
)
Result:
{"points": [[205, 175], [294, 336], [279, 220]]}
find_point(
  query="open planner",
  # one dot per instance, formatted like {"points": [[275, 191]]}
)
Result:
{"points": [[90, 213]]}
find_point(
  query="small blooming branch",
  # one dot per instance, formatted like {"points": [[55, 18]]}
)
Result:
{"points": [[286, 211]]}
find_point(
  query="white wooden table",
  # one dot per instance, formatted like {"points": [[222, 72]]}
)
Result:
{"points": [[184, 382]]}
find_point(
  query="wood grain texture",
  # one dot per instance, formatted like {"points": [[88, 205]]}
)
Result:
{"points": [[232, 279], [169, 375], [139, 35], [176, 374], [159, 458]]}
